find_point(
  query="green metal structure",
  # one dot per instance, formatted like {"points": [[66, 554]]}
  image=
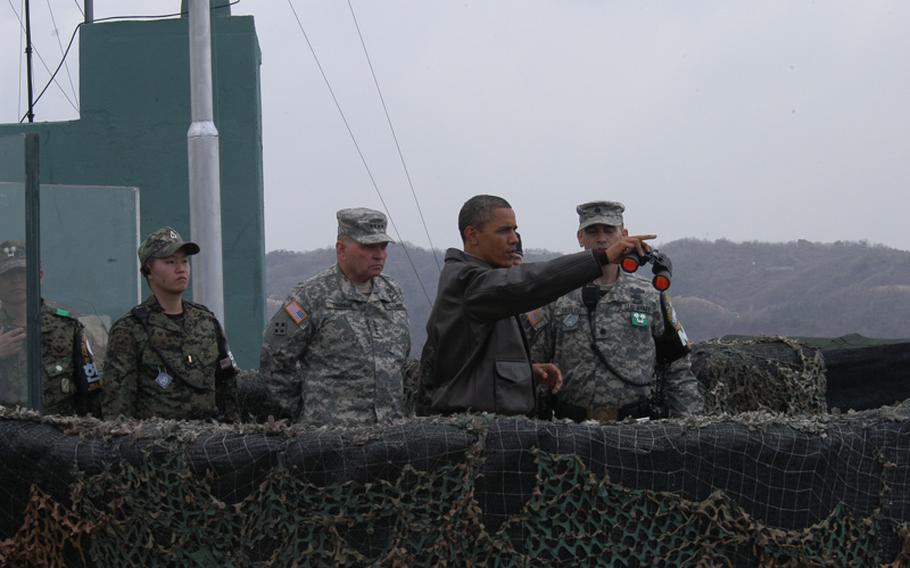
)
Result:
{"points": [[134, 116]]}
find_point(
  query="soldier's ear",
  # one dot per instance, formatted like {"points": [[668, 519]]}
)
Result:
{"points": [[339, 248], [579, 234], [470, 235]]}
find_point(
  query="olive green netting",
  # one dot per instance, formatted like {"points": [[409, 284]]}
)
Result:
{"points": [[155, 506], [783, 485], [776, 374], [576, 517]]}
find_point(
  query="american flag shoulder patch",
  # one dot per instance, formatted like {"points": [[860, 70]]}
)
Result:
{"points": [[535, 318], [297, 313]]}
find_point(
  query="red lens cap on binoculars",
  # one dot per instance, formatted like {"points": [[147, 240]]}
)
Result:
{"points": [[661, 267]]}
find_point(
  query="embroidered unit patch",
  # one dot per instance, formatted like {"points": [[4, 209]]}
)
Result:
{"points": [[639, 319]]}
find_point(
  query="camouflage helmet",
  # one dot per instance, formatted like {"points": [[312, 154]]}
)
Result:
{"points": [[12, 255], [163, 243]]}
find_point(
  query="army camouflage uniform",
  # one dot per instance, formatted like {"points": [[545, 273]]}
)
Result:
{"points": [[609, 358], [627, 320], [333, 354], [170, 367], [71, 382]]}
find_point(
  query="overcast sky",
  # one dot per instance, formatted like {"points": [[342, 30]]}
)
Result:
{"points": [[761, 120]]}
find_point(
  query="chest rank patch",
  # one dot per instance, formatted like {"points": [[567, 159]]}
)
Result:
{"points": [[570, 321], [640, 319], [297, 313]]}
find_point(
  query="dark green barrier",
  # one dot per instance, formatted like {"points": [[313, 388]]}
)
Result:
{"points": [[462, 491]]}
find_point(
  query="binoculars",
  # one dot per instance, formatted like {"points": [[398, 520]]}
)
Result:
{"points": [[661, 267]]}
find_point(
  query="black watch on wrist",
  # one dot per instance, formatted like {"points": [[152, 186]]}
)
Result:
{"points": [[602, 257]]}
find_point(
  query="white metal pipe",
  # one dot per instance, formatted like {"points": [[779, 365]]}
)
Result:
{"points": [[204, 166]]}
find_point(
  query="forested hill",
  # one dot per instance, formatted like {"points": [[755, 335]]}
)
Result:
{"points": [[719, 287]]}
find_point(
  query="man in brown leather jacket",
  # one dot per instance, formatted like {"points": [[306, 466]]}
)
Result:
{"points": [[476, 355]]}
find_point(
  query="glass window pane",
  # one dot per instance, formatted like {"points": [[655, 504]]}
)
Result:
{"points": [[13, 293]]}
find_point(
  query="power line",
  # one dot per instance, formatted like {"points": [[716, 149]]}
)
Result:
{"points": [[359, 152], [108, 19], [60, 45], [388, 118], [54, 74], [44, 63], [21, 31], [79, 6]]}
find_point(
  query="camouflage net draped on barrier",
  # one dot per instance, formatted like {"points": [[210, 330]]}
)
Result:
{"points": [[759, 490], [776, 374]]}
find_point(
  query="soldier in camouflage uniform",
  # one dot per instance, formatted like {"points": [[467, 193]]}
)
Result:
{"points": [[609, 355], [71, 382], [169, 357], [336, 352]]}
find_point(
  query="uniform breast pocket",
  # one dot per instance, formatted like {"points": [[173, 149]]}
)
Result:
{"points": [[395, 323], [197, 350], [622, 320], [58, 385], [343, 325], [640, 317], [204, 356], [514, 393], [569, 321]]}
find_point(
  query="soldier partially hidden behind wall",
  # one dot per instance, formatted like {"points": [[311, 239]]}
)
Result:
{"points": [[476, 355], [605, 337], [169, 357], [71, 382], [336, 352]]}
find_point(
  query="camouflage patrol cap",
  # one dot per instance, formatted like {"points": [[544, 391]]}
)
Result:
{"points": [[600, 213], [163, 243], [366, 226], [12, 255]]}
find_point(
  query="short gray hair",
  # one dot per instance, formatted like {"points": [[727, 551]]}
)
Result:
{"points": [[478, 210]]}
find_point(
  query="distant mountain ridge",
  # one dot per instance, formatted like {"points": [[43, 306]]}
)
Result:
{"points": [[719, 287]]}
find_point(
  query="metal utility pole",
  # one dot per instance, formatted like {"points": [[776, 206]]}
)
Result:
{"points": [[33, 272], [28, 62], [89, 11], [204, 165]]}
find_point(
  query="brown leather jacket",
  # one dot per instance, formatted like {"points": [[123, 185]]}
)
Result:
{"points": [[476, 356]]}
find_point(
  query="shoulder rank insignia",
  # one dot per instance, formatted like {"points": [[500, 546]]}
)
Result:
{"points": [[536, 318], [297, 313]]}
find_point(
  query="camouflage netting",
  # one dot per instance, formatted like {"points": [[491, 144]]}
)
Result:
{"points": [[775, 374], [757, 489]]}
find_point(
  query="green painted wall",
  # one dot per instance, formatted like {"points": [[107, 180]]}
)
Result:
{"points": [[134, 115]]}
